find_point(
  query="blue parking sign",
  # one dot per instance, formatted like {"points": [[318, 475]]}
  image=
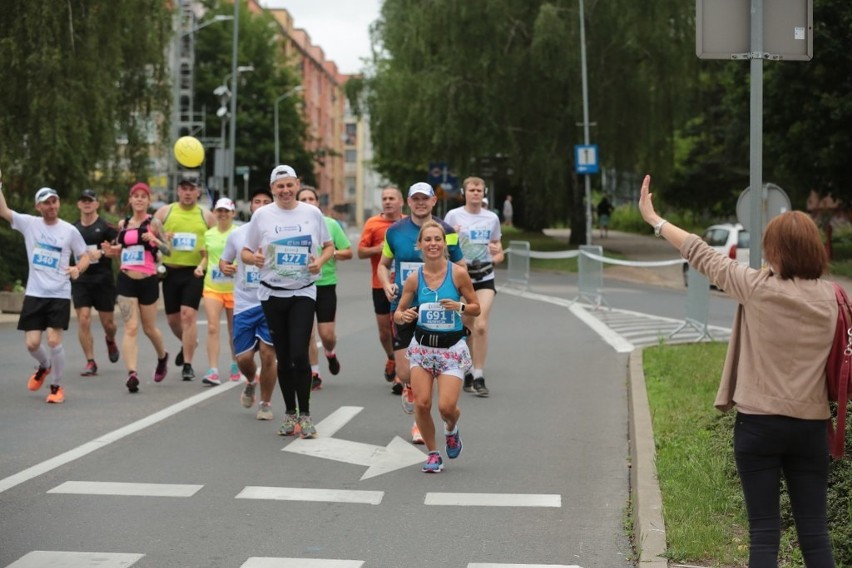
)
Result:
{"points": [[586, 158]]}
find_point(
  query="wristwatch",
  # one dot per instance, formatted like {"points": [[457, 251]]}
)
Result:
{"points": [[658, 227]]}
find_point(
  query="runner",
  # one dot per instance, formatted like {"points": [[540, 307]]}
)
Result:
{"points": [[250, 332], [185, 223], [431, 297], [479, 237], [401, 252], [50, 241], [138, 244], [95, 288], [289, 242], [218, 290], [326, 293], [372, 241]]}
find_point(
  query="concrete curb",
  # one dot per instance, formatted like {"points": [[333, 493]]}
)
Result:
{"points": [[649, 529]]}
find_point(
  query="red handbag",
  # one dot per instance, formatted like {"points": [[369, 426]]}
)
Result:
{"points": [[838, 372]]}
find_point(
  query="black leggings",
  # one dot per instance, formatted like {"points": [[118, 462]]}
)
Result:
{"points": [[765, 446], [290, 321]]}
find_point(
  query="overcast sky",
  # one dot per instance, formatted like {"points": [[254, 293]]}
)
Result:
{"points": [[339, 27]]}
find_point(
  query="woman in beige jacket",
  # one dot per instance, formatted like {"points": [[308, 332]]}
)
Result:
{"points": [[774, 375]]}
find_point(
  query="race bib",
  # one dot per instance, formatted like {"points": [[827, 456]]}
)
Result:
{"points": [[133, 255], [219, 277], [252, 277], [46, 257], [433, 316], [291, 258], [184, 242], [479, 236], [406, 268]]}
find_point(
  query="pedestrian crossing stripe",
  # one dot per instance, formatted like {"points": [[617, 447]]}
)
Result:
{"points": [[318, 495], [265, 562], [126, 489], [493, 500], [66, 559]]}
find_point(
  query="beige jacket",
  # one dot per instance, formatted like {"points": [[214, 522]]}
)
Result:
{"points": [[782, 333]]}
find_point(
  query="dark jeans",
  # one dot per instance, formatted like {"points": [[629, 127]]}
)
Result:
{"points": [[765, 446], [290, 321]]}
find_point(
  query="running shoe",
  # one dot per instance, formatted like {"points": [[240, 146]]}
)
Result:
{"points": [[179, 358], [132, 383], [37, 378], [468, 383], [247, 398], [390, 370], [57, 395], [112, 349], [306, 425], [407, 399], [235, 371], [434, 463], [333, 363], [416, 437], [211, 377], [454, 444], [188, 374], [316, 382], [288, 425], [162, 368], [91, 369], [396, 387], [480, 388], [264, 411]]}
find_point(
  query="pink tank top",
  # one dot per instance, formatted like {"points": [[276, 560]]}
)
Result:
{"points": [[135, 254]]}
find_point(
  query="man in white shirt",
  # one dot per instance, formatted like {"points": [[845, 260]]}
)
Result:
{"points": [[50, 241]]}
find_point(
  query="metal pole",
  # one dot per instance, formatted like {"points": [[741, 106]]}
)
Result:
{"points": [[277, 146], [588, 181], [756, 134], [234, 80]]}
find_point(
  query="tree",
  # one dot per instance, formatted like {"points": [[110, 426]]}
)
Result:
{"points": [[76, 76]]}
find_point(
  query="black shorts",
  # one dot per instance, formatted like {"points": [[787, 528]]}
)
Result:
{"points": [[38, 314], [402, 335], [485, 285], [381, 305], [181, 288], [326, 303], [98, 293], [146, 290]]}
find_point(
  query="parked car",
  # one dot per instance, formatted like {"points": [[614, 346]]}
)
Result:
{"points": [[730, 239]]}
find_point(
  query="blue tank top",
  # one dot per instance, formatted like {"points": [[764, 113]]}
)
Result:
{"points": [[432, 316]]}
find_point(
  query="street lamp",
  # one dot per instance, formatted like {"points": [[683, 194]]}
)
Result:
{"points": [[234, 76], [585, 80], [289, 93], [213, 20]]}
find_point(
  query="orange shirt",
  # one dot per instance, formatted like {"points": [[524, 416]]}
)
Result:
{"points": [[373, 235]]}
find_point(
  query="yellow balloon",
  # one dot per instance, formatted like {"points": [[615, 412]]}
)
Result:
{"points": [[189, 152]]}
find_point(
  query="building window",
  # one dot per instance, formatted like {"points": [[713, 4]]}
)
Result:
{"points": [[351, 134], [351, 156]]}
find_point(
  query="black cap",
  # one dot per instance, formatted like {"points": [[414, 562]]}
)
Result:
{"points": [[188, 177], [88, 195]]}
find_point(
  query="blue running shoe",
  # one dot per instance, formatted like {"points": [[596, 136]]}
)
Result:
{"points": [[434, 463], [454, 444]]}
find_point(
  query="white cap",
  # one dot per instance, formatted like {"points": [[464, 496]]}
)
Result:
{"points": [[44, 194], [421, 187], [225, 203], [280, 172]]}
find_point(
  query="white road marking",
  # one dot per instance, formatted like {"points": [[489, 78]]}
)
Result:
{"points": [[126, 489], [321, 495], [114, 436], [396, 455], [259, 562], [494, 499], [63, 559]]}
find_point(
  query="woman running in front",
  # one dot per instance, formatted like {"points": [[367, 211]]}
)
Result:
{"points": [[138, 286], [432, 296]]}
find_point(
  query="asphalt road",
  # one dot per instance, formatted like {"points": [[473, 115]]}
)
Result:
{"points": [[542, 480]]}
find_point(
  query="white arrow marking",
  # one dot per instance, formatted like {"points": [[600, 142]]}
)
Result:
{"points": [[397, 455]]}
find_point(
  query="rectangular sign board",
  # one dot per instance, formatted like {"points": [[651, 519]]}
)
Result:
{"points": [[723, 29]]}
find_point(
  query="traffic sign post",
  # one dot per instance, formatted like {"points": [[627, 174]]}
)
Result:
{"points": [[586, 158]]}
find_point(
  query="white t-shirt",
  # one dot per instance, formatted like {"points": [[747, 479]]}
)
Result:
{"points": [[476, 231], [49, 249], [247, 279], [288, 239]]}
